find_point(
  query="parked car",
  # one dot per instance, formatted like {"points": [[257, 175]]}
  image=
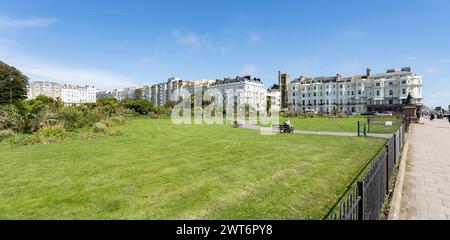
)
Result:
{"points": [[310, 111], [371, 113], [384, 114]]}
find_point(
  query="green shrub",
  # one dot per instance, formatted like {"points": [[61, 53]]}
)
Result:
{"points": [[141, 106], [118, 120], [17, 140], [99, 127], [7, 133], [107, 107], [48, 135], [131, 113], [153, 115], [102, 128], [75, 117]]}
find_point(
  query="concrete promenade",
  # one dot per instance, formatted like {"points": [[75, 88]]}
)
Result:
{"points": [[426, 191]]}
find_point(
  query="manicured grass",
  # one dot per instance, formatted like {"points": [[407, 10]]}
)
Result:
{"points": [[158, 170], [379, 124], [347, 124], [324, 124], [344, 124]]}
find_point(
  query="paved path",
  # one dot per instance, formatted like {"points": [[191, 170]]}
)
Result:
{"points": [[340, 134], [426, 193]]}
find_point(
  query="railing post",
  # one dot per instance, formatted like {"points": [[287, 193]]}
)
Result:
{"points": [[360, 186], [387, 168], [359, 134], [395, 148]]}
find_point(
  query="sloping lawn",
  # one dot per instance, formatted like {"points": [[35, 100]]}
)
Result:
{"points": [[158, 170]]}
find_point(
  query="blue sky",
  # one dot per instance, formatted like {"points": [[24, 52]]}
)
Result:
{"points": [[125, 43]]}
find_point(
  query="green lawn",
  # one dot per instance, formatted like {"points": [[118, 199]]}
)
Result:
{"points": [[157, 170], [345, 124]]}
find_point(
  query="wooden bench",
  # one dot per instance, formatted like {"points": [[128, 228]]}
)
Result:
{"points": [[283, 128], [236, 124]]}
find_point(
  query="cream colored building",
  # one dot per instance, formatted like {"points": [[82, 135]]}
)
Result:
{"points": [[48, 89], [69, 94], [356, 94]]}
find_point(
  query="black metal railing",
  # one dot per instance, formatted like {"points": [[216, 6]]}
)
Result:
{"points": [[366, 194]]}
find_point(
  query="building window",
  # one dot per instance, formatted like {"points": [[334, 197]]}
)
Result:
{"points": [[391, 92], [403, 91]]}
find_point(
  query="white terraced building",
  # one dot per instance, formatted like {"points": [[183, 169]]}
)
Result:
{"points": [[244, 90], [356, 94], [274, 96], [69, 94], [251, 91]]}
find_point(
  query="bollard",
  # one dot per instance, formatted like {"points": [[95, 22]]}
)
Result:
{"points": [[365, 132]]}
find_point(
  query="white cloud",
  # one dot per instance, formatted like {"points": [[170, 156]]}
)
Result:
{"points": [[9, 23], [248, 70], [432, 70], [186, 38], [254, 37], [38, 68], [350, 67]]}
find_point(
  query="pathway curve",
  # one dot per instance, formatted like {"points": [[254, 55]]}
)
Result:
{"points": [[426, 193]]}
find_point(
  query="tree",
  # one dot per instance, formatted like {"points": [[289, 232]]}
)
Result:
{"points": [[268, 105], [25, 116], [108, 107], [141, 106], [13, 84]]}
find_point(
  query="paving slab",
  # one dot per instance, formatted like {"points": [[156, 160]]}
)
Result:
{"points": [[426, 192]]}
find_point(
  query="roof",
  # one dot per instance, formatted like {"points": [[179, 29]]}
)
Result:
{"points": [[237, 79], [339, 78]]}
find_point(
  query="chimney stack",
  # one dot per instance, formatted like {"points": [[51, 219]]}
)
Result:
{"points": [[369, 72]]}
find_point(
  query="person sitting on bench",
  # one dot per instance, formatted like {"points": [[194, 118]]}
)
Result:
{"points": [[289, 126]]}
